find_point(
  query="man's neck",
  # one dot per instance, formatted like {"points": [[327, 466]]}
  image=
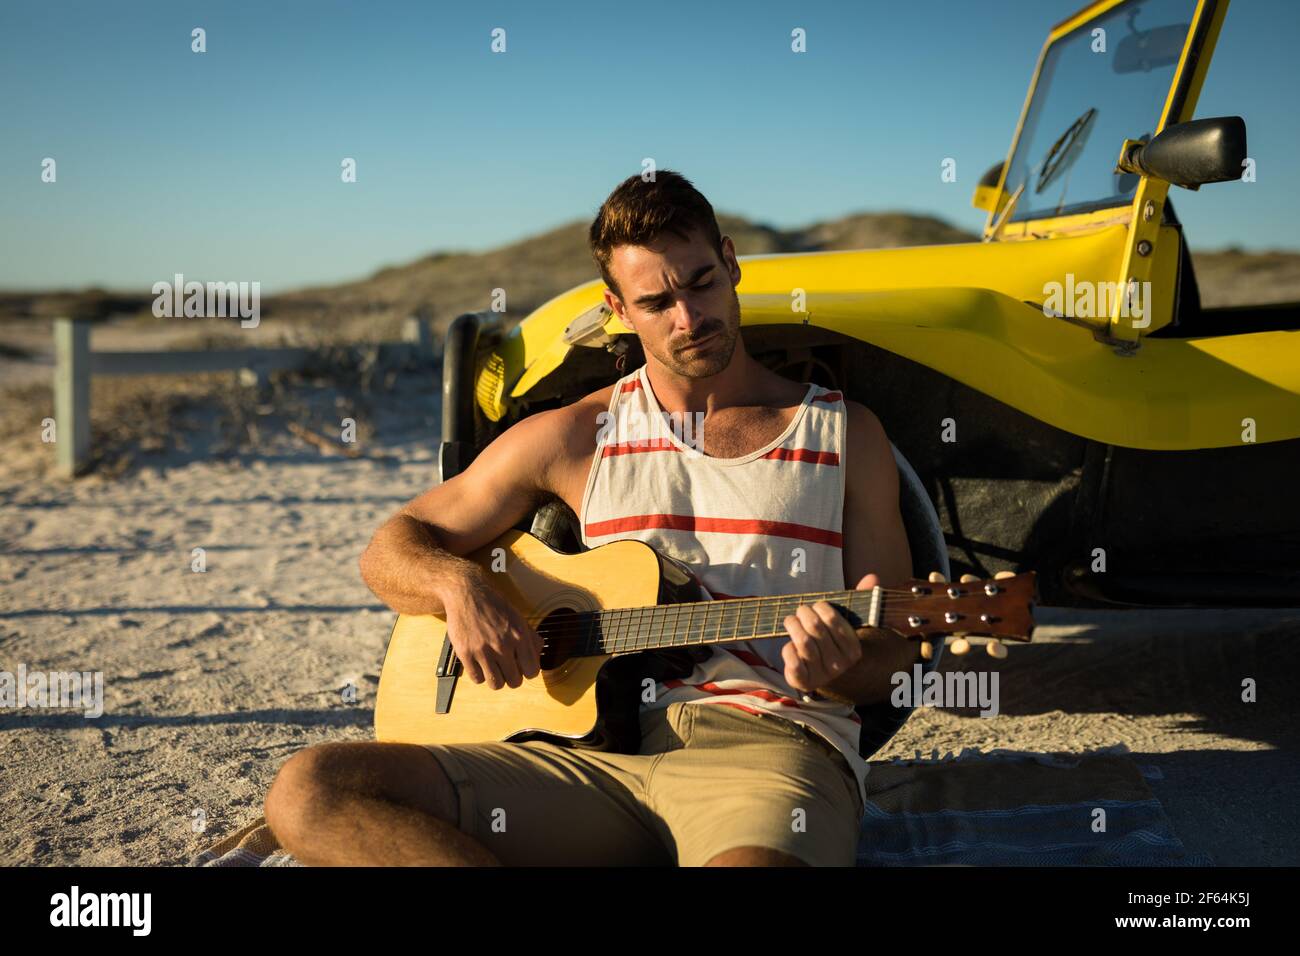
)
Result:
{"points": [[744, 381]]}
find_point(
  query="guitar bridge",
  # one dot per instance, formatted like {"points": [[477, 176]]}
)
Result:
{"points": [[448, 671]]}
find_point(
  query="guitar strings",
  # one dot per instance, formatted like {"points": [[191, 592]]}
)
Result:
{"points": [[620, 615], [730, 602], [618, 618], [735, 604]]}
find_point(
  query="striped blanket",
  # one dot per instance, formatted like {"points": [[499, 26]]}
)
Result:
{"points": [[975, 808]]}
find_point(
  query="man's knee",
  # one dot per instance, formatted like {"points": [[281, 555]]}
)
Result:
{"points": [[316, 782], [305, 787], [754, 856]]}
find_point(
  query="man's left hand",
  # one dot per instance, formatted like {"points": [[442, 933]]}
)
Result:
{"points": [[823, 645]]}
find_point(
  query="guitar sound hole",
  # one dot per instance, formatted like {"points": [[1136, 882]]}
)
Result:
{"points": [[565, 633]]}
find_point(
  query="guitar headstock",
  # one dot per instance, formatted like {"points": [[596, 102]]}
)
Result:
{"points": [[1001, 607]]}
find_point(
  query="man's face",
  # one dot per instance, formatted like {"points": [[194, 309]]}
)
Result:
{"points": [[681, 301]]}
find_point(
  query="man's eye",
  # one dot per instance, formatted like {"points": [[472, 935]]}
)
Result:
{"points": [[662, 306]]}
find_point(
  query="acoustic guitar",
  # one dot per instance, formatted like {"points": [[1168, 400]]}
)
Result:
{"points": [[622, 614]]}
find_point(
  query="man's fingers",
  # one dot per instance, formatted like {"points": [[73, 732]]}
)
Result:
{"points": [[528, 647], [507, 666], [472, 669], [805, 646], [491, 675], [818, 650], [842, 634], [529, 657], [834, 657], [796, 670]]}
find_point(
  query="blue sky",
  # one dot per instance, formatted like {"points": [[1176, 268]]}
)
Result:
{"points": [[226, 165]]}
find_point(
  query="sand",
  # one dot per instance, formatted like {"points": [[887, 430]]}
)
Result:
{"points": [[213, 679]]}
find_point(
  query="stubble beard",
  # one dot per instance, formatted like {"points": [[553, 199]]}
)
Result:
{"points": [[719, 352]]}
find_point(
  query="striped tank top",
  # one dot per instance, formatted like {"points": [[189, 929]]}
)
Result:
{"points": [[763, 524]]}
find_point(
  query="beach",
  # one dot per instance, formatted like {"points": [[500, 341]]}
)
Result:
{"points": [[213, 678]]}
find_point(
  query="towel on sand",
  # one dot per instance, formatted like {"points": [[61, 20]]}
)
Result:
{"points": [[980, 809], [1014, 808]]}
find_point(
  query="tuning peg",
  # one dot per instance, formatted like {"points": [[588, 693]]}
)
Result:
{"points": [[967, 578], [1004, 574], [959, 646], [927, 651], [996, 649], [937, 577]]}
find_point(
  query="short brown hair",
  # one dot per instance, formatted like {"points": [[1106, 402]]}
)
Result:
{"points": [[637, 212]]}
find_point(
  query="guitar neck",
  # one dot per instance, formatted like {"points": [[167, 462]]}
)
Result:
{"points": [[721, 622], [919, 609]]}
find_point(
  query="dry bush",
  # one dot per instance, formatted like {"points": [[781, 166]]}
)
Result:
{"points": [[213, 414]]}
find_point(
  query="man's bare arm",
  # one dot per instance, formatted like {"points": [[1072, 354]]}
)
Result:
{"points": [[415, 556], [875, 543], [415, 561], [875, 539]]}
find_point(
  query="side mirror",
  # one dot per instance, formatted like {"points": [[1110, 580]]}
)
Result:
{"points": [[986, 195], [1190, 154]]}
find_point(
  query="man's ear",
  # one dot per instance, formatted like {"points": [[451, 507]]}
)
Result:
{"points": [[616, 306], [729, 260]]}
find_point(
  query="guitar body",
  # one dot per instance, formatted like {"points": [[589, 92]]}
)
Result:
{"points": [[604, 633], [588, 701]]}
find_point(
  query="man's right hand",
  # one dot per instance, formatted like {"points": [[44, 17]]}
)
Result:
{"points": [[491, 638]]}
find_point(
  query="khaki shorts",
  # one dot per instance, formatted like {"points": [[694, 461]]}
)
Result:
{"points": [[708, 778]]}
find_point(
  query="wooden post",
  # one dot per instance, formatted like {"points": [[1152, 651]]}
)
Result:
{"points": [[72, 395], [416, 331]]}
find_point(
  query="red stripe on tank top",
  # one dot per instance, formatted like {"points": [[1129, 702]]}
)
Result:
{"points": [[752, 659], [731, 703], [805, 454], [638, 445], [761, 693], [770, 529]]}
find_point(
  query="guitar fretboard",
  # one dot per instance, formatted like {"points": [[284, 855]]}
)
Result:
{"points": [[702, 622]]}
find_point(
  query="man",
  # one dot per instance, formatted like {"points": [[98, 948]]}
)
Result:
{"points": [[751, 759]]}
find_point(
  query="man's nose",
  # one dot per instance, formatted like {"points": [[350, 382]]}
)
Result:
{"points": [[689, 316]]}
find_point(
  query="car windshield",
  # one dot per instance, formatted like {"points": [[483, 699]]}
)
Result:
{"points": [[1100, 85]]}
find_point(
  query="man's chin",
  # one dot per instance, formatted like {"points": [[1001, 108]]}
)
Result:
{"points": [[705, 366]]}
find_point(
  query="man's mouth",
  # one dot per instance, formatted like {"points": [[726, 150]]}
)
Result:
{"points": [[698, 343]]}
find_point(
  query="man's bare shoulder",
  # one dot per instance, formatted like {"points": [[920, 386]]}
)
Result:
{"points": [[573, 428], [584, 420], [552, 449], [865, 439], [570, 429], [863, 423]]}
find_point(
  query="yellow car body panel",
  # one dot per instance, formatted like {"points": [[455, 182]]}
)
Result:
{"points": [[538, 347], [975, 312], [1172, 394]]}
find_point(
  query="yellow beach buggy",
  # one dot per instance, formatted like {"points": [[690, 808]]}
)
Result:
{"points": [[1057, 396]]}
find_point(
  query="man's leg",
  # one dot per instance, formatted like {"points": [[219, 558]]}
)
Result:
{"points": [[749, 790], [369, 804], [465, 804], [754, 856]]}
